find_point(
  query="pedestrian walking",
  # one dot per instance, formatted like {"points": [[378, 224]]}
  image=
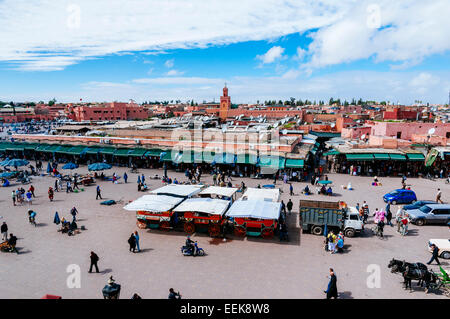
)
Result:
{"points": [[132, 243], [98, 193], [136, 236], [29, 197], [56, 185], [332, 286], [94, 261], [125, 177], [143, 178], [74, 213], [438, 196], [13, 196], [4, 230], [12, 241], [289, 206], [32, 190], [291, 189], [173, 294], [435, 254]]}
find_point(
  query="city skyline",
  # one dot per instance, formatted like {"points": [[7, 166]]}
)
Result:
{"points": [[264, 51]]}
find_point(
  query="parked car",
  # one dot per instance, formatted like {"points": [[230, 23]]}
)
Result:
{"points": [[430, 214], [400, 196], [418, 204], [443, 245]]}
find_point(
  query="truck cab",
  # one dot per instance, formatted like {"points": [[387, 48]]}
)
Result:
{"points": [[352, 223]]}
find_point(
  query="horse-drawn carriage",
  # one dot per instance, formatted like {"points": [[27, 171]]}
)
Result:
{"points": [[418, 271]]}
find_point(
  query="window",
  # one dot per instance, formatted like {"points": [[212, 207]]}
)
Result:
{"points": [[425, 209], [399, 134]]}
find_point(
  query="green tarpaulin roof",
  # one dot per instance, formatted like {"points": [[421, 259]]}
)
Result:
{"points": [[272, 161], [359, 157], [167, 157], [325, 134], [247, 159], [137, 152], [397, 157], [154, 152], [108, 150], [383, 157], [93, 150], [64, 149], [416, 157], [122, 152], [51, 148], [294, 163], [77, 150], [332, 152]]}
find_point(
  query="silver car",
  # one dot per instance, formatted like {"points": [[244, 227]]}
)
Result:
{"points": [[430, 214]]}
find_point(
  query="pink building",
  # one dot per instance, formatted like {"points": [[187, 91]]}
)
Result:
{"points": [[405, 131], [111, 111]]}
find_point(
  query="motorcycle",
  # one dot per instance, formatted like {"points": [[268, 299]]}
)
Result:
{"points": [[188, 251]]}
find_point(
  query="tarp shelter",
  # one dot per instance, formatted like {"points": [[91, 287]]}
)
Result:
{"points": [[220, 191], [154, 203], [211, 206], [258, 209], [295, 163], [178, 190], [271, 195]]}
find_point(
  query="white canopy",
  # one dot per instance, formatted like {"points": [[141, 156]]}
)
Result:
{"points": [[254, 209], [211, 206], [154, 203], [266, 194], [221, 191], [178, 190]]}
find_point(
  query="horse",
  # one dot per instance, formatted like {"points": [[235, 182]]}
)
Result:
{"points": [[426, 276], [399, 266]]}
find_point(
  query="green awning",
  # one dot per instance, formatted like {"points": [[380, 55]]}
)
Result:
{"points": [[229, 158], [359, 157], [397, 157], [167, 157], [51, 148], [108, 150], [93, 150], [137, 152], [14, 147], [122, 152], [416, 157], [208, 157], [42, 147], [154, 152], [272, 161], [381, 157], [325, 134], [63, 149], [30, 146], [332, 152], [247, 159], [187, 157], [294, 163], [77, 150]]}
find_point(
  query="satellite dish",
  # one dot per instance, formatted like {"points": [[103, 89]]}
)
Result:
{"points": [[363, 136], [333, 124], [431, 131]]}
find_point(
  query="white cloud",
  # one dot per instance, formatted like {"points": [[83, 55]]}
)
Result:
{"points": [[301, 53], [61, 33], [410, 31], [174, 73], [274, 53], [169, 63]]}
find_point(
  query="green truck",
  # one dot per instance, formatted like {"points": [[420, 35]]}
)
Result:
{"points": [[314, 215]]}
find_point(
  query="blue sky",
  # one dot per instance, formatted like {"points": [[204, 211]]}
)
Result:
{"points": [[304, 49]]}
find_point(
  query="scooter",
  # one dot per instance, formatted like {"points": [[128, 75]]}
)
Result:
{"points": [[188, 251]]}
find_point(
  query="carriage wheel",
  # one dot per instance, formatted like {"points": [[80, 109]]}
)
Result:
{"points": [[240, 231], [214, 230], [165, 225], [141, 224], [267, 233], [189, 228]]}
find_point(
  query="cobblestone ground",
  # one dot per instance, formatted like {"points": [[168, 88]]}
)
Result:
{"points": [[238, 268]]}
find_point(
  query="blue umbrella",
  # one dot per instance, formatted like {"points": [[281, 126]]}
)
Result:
{"points": [[325, 182], [99, 167], [17, 162], [56, 219], [49, 168], [7, 174], [70, 165]]}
